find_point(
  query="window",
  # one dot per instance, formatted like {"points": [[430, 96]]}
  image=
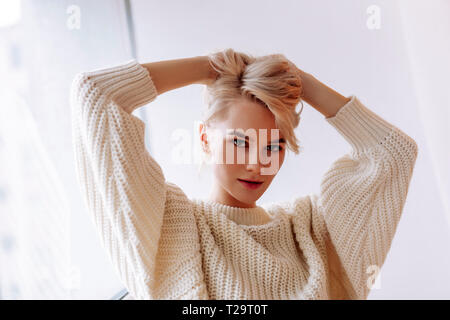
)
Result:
{"points": [[47, 239]]}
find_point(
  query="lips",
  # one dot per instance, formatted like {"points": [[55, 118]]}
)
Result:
{"points": [[249, 184], [251, 181]]}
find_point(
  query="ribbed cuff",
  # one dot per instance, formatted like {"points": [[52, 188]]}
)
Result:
{"points": [[129, 85], [360, 126]]}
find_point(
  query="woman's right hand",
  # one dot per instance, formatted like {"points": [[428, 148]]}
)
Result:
{"points": [[211, 74]]}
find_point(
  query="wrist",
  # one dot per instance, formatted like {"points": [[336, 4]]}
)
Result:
{"points": [[209, 74], [309, 86]]}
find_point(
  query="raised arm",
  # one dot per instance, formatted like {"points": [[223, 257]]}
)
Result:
{"points": [[321, 97], [172, 74], [123, 186], [363, 193]]}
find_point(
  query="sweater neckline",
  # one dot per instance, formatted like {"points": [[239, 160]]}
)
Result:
{"points": [[246, 217]]}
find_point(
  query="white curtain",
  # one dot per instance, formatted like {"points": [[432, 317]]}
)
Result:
{"points": [[48, 245], [426, 29]]}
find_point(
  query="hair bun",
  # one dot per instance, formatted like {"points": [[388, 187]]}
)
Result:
{"points": [[270, 80]]}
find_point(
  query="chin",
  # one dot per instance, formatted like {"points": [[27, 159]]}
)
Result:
{"points": [[249, 200]]}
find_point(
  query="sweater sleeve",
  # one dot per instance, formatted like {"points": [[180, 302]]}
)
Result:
{"points": [[363, 193], [123, 186]]}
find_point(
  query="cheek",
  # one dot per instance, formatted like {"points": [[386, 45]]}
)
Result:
{"points": [[225, 154], [223, 172], [276, 161], [281, 159], [226, 174], [219, 153]]}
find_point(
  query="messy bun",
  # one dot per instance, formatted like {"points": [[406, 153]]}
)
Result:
{"points": [[269, 80]]}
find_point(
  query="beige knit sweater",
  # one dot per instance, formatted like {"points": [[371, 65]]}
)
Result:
{"points": [[167, 246]]}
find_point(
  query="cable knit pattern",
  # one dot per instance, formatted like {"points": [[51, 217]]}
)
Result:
{"points": [[164, 245]]}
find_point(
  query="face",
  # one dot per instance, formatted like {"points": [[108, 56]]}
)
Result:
{"points": [[244, 145]]}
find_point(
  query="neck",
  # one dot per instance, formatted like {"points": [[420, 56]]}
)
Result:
{"points": [[220, 195]]}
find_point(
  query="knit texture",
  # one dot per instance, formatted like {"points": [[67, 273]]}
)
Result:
{"points": [[164, 245]]}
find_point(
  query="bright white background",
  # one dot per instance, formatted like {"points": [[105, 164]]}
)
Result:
{"points": [[397, 70]]}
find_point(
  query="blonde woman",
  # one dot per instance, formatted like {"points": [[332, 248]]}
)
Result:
{"points": [[167, 246]]}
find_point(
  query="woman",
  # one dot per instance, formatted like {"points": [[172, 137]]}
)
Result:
{"points": [[167, 246]]}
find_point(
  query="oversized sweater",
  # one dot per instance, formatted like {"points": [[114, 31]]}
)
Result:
{"points": [[165, 245]]}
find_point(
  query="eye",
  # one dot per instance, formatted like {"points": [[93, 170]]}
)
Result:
{"points": [[239, 141], [276, 146]]}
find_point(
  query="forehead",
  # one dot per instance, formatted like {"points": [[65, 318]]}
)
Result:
{"points": [[244, 114]]}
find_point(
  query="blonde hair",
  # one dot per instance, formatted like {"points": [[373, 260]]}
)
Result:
{"points": [[268, 80]]}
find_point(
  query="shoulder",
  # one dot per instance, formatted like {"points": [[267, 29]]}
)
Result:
{"points": [[176, 199], [298, 205], [297, 209], [303, 211]]}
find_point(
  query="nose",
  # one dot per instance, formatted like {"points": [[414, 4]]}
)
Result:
{"points": [[256, 167], [262, 163], [255, 161]]}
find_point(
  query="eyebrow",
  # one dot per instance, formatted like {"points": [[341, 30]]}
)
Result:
{"points": [[240, 134]]}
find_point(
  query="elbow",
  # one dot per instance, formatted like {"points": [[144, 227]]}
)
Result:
{"points": [[83, 91], [415, 149], [78, 85], [79, 80], [403, 148], [412, 148]]}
